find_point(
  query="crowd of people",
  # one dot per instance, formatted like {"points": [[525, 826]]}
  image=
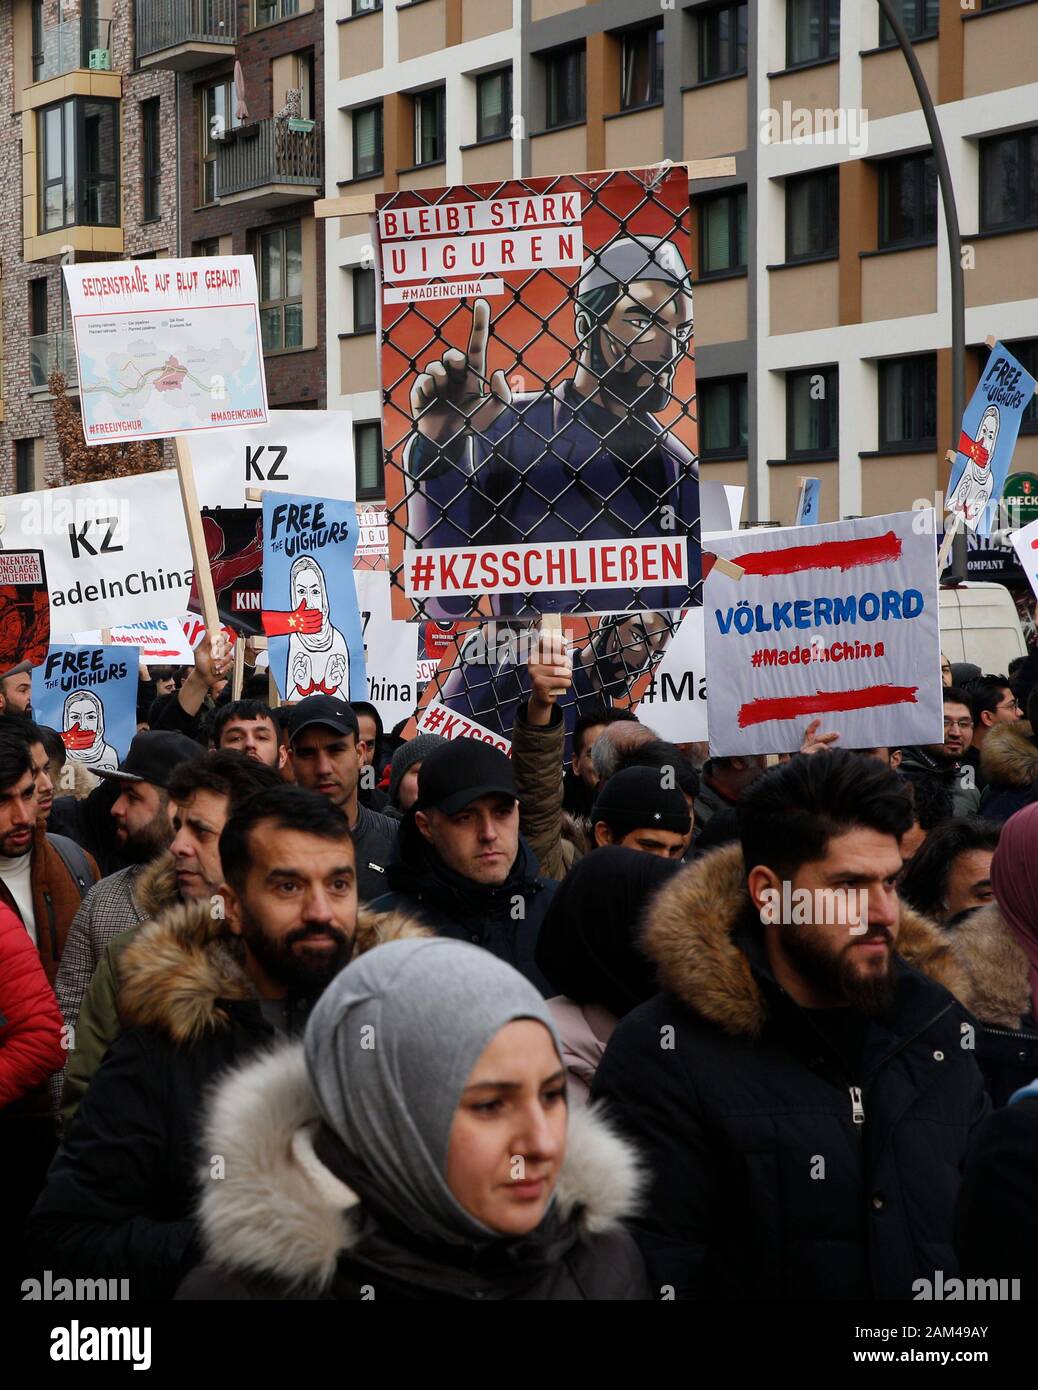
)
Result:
{"points": [[295, 1008]]}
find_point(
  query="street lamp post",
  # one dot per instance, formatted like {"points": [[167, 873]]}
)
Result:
{"points": [[957, 571]]}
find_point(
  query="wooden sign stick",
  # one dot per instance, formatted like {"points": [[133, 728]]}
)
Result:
{"points": [[196, 536], [238, 678]]}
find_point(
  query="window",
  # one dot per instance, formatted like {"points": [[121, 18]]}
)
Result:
{"points": [[151, 161], [280, 255], [812, 216], [208, 248], [908, 201], [564, 73], [723, 431], [908, 402], [722, 42], [494, 104], [812, 413], [918, 16], [366, 6], [429, 134], [78, 143], [25, 465], [37, 307], [812, 30], [1009, 181], [641, 68], [367, 141], [722, 232], [270, 11], [219, 114], [367, 450], [37, 40], [363, 301]]}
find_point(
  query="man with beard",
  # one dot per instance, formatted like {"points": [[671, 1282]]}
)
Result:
{"points": [[800, 1090], [203, 794], [199, 990], [587, 460], [142, 831]]}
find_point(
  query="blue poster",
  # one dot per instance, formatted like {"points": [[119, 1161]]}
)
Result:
{"points": [[89, 695], [809, 502], [990, 424], [310, 609]]}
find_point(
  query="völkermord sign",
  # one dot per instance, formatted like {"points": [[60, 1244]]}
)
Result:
{"points": [[842, 627], [166, 347]]}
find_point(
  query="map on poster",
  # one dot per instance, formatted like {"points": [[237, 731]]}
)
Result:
{"points": [[167, 348]]}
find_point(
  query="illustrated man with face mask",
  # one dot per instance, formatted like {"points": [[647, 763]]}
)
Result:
{"points": [[973, 491], [586, 460], [83, 731], [318, 661]]}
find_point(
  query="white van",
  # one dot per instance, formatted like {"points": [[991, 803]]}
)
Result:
{"points": [[979, 623]]}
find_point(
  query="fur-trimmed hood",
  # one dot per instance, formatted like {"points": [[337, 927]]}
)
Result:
{"points": [[985, 948], [180, 970], [155, 889], [279, 1213], [690, 936], [1008, 758]]}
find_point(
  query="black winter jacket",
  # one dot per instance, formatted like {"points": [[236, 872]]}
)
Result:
{"points": [[329, 1243], [506, 921], [997, 1227], [773, 1178]]}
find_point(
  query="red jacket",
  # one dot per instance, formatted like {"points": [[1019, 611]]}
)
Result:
{"points": [[30, 1020]]}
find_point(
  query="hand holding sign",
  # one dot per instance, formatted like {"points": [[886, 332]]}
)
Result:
{"points": [[449, 394]]}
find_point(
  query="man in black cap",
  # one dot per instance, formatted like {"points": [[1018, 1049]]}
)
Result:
{"points": [[324, 734], [638, 809], [147, 886], [463, 867]]}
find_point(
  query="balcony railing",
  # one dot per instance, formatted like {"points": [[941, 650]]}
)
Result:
{"points": [[163, 25], [76, 43], [268, 153], [52, 352]]}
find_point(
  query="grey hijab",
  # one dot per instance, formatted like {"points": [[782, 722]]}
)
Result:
{"points": [[389, 1049]]}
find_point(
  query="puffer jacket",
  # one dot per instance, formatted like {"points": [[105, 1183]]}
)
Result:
{"points": [[30, 1020], [284, 1222], [119, 1200], [999, 994], [556, 838], [1009, 763], [505, 920], [919, 765], [777, 1173]]}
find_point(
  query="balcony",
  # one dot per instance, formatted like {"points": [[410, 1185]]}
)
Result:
{"points": [[271, 162], [76, 44], [52, 352], [185, 34]]}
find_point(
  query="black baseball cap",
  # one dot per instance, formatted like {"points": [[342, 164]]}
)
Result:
{"points": [[153, 756], [325, 710], [460, 772]]}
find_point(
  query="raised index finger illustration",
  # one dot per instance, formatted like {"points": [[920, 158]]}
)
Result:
{"points": [[477, 350]]}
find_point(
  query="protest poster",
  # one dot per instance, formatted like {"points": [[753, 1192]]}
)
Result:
{"points": [[449, 724], [302, 451], [482, 673], [310, 611], [89, 695], [809, 500], [24, 608], [115, 552], [674, 702], [990, 425], [538, 397], [157, 640], [845, 627], [234, 544], [1025, 544], [166, 347], [390, 649]]}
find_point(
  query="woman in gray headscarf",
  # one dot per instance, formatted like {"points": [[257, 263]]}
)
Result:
{"points": [[416, 1146]]}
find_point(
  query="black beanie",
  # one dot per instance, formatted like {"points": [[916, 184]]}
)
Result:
{"points": [[638, 799]]}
